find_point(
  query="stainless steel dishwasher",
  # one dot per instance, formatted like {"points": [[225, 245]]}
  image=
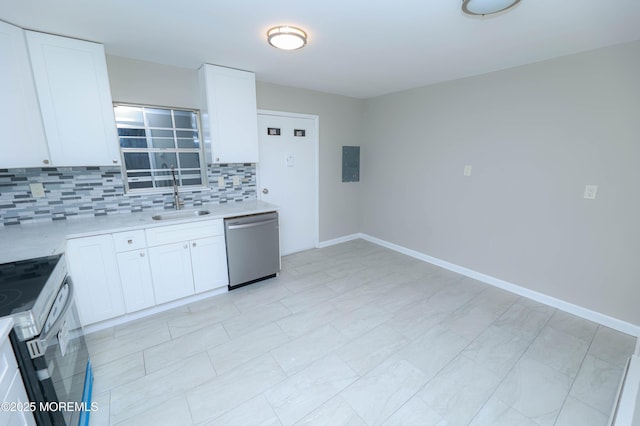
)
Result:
{"points": [[253, 248]]}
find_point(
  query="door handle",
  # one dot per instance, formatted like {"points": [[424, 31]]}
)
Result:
{"points": [[265, 190], [252, 225]]}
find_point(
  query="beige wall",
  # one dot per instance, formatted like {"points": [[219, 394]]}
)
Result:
{"points": [[535, 135], [152, 84], [340, 124]]}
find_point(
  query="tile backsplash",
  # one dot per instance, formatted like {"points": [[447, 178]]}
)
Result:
{"points": [[72, 192]]}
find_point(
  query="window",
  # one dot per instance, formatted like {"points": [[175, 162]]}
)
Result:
{"points": [[153, 141]]}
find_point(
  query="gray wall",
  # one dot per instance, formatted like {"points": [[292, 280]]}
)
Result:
{"points": [[152, 84], [535, 135], [341, 123]]}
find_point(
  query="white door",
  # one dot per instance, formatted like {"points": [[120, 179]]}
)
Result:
{"points": [[288, 177]]}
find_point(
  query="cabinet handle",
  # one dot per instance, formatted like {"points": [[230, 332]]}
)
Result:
{"points": [[115, 161], [186, 246], [194, 244], [129, 241], [45, 161], [141, 254]]}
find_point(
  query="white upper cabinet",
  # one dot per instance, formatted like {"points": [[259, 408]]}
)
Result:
{"points": [[23, 143], [229, 115], [75, 100]]}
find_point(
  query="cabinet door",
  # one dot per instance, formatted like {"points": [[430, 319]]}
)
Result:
{"points": [[17, 393], [23, 143], [135, 277], [75, 100], [229, 115], [209, 263], [94, 271], [171, 271]]}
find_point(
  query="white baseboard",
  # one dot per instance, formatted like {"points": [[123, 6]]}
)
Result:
{"points": [[102, 325], [624, 408], [585, 313], [339, 240]]}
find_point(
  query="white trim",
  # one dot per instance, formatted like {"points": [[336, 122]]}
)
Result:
{"points": [[338, 240], [92, 328], [624, 407], [316, 153], [585, 313]]}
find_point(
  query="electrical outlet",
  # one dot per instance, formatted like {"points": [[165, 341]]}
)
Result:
{"points": [[467, 170], [236, 181], [590, 192], [221, 182], [37, 190]]}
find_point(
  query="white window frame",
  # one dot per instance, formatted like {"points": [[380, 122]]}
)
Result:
{"points": [[162, 189]]}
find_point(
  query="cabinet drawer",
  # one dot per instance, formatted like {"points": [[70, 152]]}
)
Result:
{"points": [[8, 366], [130, 240], [184, 232]]}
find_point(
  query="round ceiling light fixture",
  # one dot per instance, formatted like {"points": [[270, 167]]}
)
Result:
{"points": [[286, 37], [487, 7]]}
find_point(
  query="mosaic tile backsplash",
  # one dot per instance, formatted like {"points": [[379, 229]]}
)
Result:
{"points": [[72, 192]]}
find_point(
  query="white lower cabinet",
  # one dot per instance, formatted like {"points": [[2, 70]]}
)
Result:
{"points": [[134, 270], [135, 278], [124, 272], [17, 394], [171, 271], [209, 263], [94, 270], [12, 388], [187, 258]]}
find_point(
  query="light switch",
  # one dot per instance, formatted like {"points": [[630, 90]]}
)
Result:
{"points": [[467, 170], [236, 181], [590, 192], [220, 181], [37, 190]]}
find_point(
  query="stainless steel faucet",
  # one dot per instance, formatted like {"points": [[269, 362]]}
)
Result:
{"points": [[176, 195]]}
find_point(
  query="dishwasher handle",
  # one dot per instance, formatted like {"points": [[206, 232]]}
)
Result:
{"points": [[251, 225]]}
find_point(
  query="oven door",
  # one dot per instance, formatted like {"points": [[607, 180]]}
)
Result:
{"points": [[60, 359]]}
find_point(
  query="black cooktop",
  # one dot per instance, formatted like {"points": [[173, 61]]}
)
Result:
{"points": [[22, 281]]}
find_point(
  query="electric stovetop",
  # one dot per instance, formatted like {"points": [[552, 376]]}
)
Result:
{"points": [[22, 281]]}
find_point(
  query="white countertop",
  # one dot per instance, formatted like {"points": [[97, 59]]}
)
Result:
{"points": [[6, 324], [19, 242]]}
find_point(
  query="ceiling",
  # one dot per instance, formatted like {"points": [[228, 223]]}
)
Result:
{"points": [[356, 48]]}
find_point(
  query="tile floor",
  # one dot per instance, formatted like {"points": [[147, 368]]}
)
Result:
{"points": [[356, 334]]}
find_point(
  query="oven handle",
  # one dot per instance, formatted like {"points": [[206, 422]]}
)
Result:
{"points": [[38, 346]]}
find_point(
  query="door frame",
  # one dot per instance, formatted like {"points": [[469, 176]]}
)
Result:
{"points": [[316, 154]]}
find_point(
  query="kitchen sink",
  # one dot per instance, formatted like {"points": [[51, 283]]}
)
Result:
{"points": [[180, 214]]}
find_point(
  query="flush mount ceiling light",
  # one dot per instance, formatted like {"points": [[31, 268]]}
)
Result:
{"points": [[487, 7], [286, 37]]}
